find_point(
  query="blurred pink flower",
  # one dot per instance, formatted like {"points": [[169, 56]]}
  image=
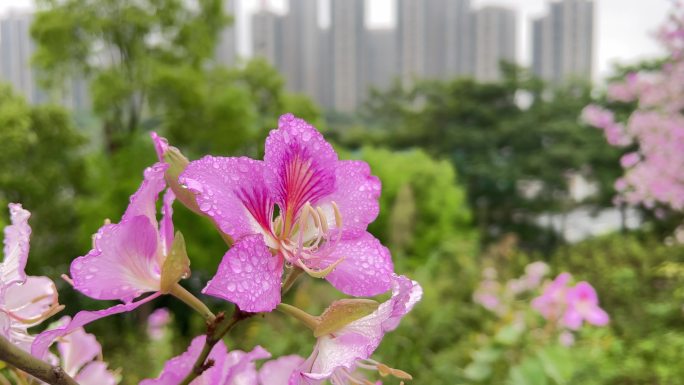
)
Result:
{"points": [[566, 338], [25, 301], [323, 207], [79, 356], [157, 322], [229, 368], [583, 306], [336, 356], [552, 303]]}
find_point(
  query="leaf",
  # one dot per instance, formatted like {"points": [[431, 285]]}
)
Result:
{"points": [[557, 363], [342, 312], [177, 264], [529, 372], [508, 335], [477, 371]]}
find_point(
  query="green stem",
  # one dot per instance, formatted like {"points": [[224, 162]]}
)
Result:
{"points": [[22, 360], [216, 329], [182, 294], [307, 319], [291, 278]]}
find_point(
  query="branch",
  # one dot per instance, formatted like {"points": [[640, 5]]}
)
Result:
{"points": [[22, 360], [216, 329]]}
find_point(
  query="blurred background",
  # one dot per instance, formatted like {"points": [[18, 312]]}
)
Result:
{"points": [[468, 111]]}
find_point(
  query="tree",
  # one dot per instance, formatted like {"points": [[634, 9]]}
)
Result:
{"points": [[121, 46]]}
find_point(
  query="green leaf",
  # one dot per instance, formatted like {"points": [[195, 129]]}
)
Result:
{"points": [[557, 363], [177, 264], [477, 371], [343, 312], [529, 372], [508, 335]]}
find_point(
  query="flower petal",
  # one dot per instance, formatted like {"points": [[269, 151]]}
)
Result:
{"points": [[300, 164], [356, 196], [96, 373], [16, 246], [572, 318], [231, 192], [366, 269], [31, 300], [597, 316], [144, 201], [42, 343], [77, 349], [124, 263], [160, 145], [166, 224], [249, 276], [239, 366], [177, 368], [277, 372], [405, 295]]}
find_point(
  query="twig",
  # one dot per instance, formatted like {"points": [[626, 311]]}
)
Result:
{"points": [[22, 360], [216, 329]]}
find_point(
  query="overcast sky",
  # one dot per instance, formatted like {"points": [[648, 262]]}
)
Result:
{"points": [[624, 27]]}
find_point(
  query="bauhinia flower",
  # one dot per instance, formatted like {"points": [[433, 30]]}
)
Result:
{"points": [[80, 356], [301, 207], [229, 368], [138, 255], [340, 352], [157, 323], [25, 301], [583, 306], [553, 301]]}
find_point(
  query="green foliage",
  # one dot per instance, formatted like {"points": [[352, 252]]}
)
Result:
{"points": [[439, 212], [41, 168]]}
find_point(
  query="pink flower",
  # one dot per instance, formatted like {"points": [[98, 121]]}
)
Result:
{"points": [[156, 323], [25, 301], [278, 371], [300, 206], [583, 306], [229, 368], [79, 354], [566, 338], [337, 355], [126, 259], [551, 304]]}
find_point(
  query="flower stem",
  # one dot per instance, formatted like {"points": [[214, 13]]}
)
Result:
{"points": [[307, 319], [22, 360], [182, 294], [291, 278], [216, 329]]}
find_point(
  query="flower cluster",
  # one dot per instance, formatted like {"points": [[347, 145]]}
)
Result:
{"points": [[653, 173], [563, 306], [299, 211]]}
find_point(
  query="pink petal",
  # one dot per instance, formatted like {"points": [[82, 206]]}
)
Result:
{"points": [[16, 246], [277, 372], [249, 276], [405, 295], [166, 224], [584, 292], [366, 269], [356, 195], [144, 201], [42, 343], [231, 191], [77, 349], [342, 351], [572, 318], [160, 145], [124, 263], [597, 317], [96, 373], [177, 368], [32, 299], [300, 164], [239, 366]]}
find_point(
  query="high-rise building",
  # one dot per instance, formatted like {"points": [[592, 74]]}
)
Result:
{"points": [[411, 32], [459, 39], [563, 41], [226, 49], [495, 41], [300, 47], [347, 43], [16, 48], [381, 63], [266, 37]]}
